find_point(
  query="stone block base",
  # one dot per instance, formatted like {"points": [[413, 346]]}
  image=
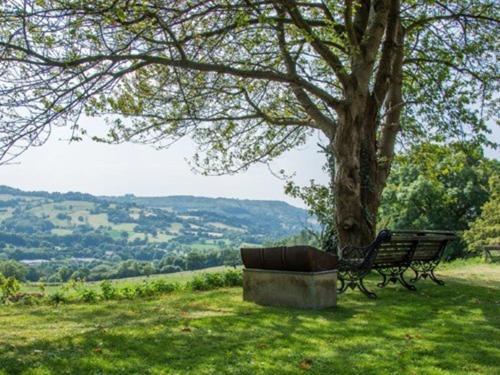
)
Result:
{"points": [[306, 290]]}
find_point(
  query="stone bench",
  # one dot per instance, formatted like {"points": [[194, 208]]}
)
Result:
{"points": [[296, 276]]}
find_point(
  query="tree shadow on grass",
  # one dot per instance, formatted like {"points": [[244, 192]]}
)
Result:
{"points": [[450, 328]]}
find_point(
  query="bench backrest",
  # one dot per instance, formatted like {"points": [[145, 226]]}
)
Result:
{"points": [[396, 252], [430, 245], [397, 249]]}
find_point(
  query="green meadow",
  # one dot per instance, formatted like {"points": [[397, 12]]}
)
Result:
{"points": [[437, 330]]}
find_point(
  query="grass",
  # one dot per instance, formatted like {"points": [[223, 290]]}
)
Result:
{"points": [[176, 277], [437, 330]]}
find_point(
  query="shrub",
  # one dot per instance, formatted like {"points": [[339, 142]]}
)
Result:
{"points": [[28, 299], [233, 278], [127, 292], [198, 283], [58, 297], [88, 295], [144, 290], [9, 286], [214, 280], [162, 286], [108, 290]]}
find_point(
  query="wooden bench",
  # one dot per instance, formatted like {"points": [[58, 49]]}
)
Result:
{"points": [[391, 254], [489, 249]]}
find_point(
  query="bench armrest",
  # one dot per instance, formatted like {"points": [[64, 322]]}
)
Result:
{"points": [[362, 257]]}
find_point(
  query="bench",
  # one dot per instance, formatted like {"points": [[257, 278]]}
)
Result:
{"points": [[391, 255], [488, 249]]}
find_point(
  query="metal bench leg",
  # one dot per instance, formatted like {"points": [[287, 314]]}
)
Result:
{"points": [[417, 276], [424, 270], [384, 281], [394, 275], [435, 279], [362, 287], [405, 283], [343, 286]]}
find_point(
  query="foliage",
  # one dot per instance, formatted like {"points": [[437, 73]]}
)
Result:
{"points": [[9, 286], [321, 205], [439, 187], [79, 291], [88, 295], [214, 280], [233, 278], [485, 230], [58, 297], [274, 58], [254, 81], [11, 268], [108, 291], [436, 330]]}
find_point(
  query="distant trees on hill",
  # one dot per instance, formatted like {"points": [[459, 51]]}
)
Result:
{"points": [[64, 270]]}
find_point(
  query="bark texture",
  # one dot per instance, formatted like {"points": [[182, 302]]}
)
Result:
{"points": [[364, 141]]}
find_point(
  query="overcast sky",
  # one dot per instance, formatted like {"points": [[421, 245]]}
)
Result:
{"points": [[115, 170]]}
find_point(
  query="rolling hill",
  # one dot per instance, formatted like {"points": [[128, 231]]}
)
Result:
{"points": [[38, 227]]}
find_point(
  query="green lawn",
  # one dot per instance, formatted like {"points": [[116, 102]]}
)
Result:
{"points": [[453, 329]]}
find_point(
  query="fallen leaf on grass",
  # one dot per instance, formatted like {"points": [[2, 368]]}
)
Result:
{"points": [[98, 350], [306, 364], [186, 329]]}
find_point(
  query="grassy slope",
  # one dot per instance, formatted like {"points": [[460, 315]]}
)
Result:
{"points": [[436, 330]]}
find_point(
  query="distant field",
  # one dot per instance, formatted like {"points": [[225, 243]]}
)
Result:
{"points": [[80, 213], [437, 330]]}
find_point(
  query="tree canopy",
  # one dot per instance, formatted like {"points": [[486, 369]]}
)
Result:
{"points": [[485, 230], [249, 80], [435, 187]]}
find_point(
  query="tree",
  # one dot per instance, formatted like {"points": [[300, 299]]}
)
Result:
{"points": [[438, 187], [65, 273], [485, 230], [249, 80], [11, 268]]}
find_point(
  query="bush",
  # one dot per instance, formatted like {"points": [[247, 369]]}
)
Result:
{"points": [[233, 278], [162, 286], [108, 290], [88, 295], [485, 230], [58, 297], [198, 283], [215, 280], [144, 290], [9, 286], [127, 292], [28, 299]]}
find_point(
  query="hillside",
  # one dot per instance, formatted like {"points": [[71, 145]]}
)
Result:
{"points": [[36, 227]]}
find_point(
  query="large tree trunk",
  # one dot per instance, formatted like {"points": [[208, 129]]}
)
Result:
{"points": [[356, 200], [362, 162]]}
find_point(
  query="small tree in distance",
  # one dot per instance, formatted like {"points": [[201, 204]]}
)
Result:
{"points": [[249, 80]]}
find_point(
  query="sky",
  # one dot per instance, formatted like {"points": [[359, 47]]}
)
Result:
{"points": [[102, 169]]}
